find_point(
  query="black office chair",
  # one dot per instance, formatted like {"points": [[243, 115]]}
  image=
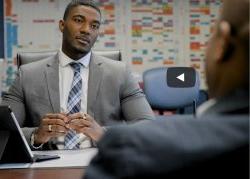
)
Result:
{"points": [[28, 57]]}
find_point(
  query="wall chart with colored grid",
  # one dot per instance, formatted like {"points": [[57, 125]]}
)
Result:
{"points": [[150, 33]]}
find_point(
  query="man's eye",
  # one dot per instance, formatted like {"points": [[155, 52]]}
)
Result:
{"points": [[77, 20], [95, 26]]}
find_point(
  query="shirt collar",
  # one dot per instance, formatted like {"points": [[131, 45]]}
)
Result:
{"points": [[64, 60], [205, 106]]}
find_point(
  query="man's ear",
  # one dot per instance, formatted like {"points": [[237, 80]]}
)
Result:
{"points": [[61, 25], [226, 47]]}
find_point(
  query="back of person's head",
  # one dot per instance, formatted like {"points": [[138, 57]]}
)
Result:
{"points": [[74, 3], [236, 13], [227, 57]]}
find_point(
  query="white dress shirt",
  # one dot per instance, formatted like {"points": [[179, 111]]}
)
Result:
{"points": [[66, 74], [205, 106]]}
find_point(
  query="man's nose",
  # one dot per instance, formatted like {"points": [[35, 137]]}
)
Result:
{"points": [[85, 28]]}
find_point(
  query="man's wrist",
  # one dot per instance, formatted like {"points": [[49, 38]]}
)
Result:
{"points": [[32, 141]]}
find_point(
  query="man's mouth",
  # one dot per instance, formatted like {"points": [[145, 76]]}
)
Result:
{"points": [[83, 40]]}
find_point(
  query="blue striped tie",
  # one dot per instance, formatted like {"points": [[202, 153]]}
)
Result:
{"points": [[74, 105]]}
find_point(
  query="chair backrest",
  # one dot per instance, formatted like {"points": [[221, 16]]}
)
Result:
{"points": [[161, 96], [203, 97], [28, 57]]}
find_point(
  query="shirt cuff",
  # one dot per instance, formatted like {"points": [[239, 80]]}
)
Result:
{"points": [[32, 142]]}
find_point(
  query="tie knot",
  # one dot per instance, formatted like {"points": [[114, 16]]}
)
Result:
{"points": [[76, 66]]}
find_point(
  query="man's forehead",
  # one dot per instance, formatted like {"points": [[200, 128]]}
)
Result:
{"points": [[86, 11]]}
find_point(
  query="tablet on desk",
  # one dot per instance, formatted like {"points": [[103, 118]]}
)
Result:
{"points": [[14, 147]]}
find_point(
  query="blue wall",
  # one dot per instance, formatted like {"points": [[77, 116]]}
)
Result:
{"points": [[1, 30]]}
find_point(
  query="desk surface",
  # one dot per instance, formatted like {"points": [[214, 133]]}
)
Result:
{"points": [[68, 159], [48, 173], [69, 166]]}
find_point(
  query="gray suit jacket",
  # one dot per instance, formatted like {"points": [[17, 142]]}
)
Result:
{"points": [[113, 95], [213, 146]]}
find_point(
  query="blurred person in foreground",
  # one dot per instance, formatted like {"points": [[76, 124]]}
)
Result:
{"points": [[213, 145]]}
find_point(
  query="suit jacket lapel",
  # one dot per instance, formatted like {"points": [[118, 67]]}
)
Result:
{"points": [[95, 76], [52, 78]]}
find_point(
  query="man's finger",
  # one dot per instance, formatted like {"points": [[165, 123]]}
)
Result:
{"points": [[73, 127], [48, 121], [86, 131], [57, 129], [80, 122], [79, 115], [89, 118], [61, 116]]}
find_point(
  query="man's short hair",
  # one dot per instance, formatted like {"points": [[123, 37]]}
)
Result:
{"points": [[75, 3]]}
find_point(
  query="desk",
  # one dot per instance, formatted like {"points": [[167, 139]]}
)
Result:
{"points": [[71, 165], [48, 173], [68, 159]]}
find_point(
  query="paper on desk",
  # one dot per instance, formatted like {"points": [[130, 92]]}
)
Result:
{"points": [[68, 158]]}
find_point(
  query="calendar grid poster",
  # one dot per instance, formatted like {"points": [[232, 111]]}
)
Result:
{"points": [[150, 33]]}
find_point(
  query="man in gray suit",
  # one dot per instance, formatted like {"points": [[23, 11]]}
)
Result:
{"points": [[213, 145], [51, 98]]}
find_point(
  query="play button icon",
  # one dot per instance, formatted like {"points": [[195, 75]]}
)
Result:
{"points": [[181, 77]]}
